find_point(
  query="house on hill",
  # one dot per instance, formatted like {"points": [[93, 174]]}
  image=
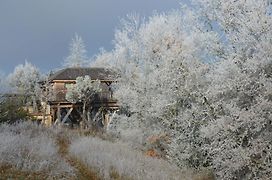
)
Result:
{"points": [[58, 110]]}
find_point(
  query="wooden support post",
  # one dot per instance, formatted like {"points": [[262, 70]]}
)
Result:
{"points": [[98, 112], [67, 115], [112, 116], [58, 115], [43, 117], [80, 113], [53, 111], [107, 119]]}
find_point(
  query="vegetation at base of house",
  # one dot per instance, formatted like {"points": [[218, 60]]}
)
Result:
{"points": [[11, 109], [83, 91]]}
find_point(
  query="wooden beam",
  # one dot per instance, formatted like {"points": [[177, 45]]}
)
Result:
{"points": [[58, 116], [66, 106], [56, 122], [67, 115], [108, 83]]}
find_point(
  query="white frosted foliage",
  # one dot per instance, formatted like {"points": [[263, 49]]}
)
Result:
{"points": [[77, 53], [201, 75]]}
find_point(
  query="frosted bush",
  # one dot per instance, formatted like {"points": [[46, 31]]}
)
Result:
{"points": [[32, 148], [109, 158]]}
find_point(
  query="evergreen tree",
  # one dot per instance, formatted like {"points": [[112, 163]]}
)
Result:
{"points": [[77, 56]]}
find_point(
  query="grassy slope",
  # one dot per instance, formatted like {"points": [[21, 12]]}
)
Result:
{"points": [[81, 169]]}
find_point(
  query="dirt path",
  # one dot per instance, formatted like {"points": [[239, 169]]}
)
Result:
{"points": [[82, 171]]}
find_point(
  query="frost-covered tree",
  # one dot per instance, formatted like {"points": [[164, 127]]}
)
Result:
{"points": [[233, 133], [2, 82], [203, 76], [83, 91], [155, 58], [162, 66], [24, 79], [77, 56], [45, 92], [241, 90]]}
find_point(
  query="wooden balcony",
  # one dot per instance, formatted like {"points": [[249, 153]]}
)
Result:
{"points": [[100, 99]]}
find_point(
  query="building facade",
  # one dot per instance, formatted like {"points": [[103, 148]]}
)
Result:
{"points": [[57, 110]]}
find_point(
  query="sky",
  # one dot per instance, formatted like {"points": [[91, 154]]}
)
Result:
{"points": [[41, 31]]}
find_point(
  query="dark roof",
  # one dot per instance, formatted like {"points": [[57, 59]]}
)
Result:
{"points": [[73, 73]]}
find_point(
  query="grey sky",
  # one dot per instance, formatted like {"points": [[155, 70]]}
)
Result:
{"points": [[40, 30]]}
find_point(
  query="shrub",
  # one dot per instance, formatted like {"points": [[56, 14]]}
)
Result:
{"points": [[11, 109]]}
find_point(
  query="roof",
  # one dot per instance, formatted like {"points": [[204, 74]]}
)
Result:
{"points": [[94, 73]]}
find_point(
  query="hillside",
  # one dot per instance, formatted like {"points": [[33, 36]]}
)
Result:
{"points": [[31, 151]]}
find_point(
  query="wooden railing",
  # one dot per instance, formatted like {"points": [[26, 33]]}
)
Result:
{"points": [[99, 97]]}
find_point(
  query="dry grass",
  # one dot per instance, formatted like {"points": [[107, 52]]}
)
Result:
{"points": [[64, 154], [8, 172], [29, 148], [119, 161]]}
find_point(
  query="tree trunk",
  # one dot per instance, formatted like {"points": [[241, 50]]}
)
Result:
{"points": [[89, 115], [44, 112], [35, 107], [84, 114]]}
